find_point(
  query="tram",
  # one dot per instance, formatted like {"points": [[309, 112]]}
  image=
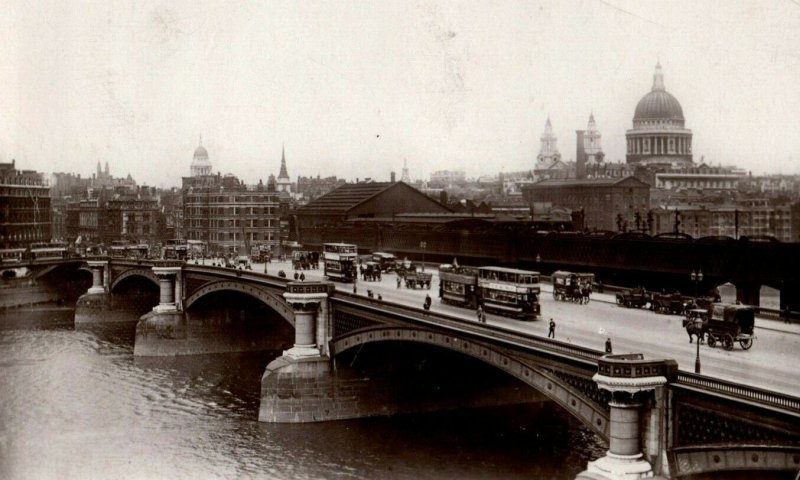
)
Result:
{"points": [[506, 291], [123, 249], [176, 249], [340, 260], [40, 251], [11, 255]]}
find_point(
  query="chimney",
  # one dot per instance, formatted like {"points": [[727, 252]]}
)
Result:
{"points": [[580, 156], [392, 177]]}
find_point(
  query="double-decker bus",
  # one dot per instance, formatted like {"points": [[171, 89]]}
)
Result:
{"points": [[509, 291], [47, 250], [176, 249], [340, 261], [124, 249], [459, 286], [11, 255], [506, 291]]}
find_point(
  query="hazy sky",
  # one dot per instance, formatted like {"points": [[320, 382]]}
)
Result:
{"points": [[354, 88]]}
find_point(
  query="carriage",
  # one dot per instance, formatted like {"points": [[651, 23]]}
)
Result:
{"points": [[730, 323], [637, 297], [414, 279], [575, 287], [670, 303]]}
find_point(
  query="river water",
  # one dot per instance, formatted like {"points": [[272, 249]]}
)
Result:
{"points": [[76, 404]]}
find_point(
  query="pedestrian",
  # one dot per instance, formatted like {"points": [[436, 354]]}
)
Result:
{"points": [[608, 345], [296, 275], [355, 290], [481, 315], [302, 276], [398, 281], [786, 315], [552, 332], [427, 304], [380, 297]]}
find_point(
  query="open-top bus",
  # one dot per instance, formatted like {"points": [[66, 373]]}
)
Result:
{"points": [[509, 291], [340, 261]]}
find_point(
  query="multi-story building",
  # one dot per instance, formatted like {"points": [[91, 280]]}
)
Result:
{"points": [[135, 217], [229, 215], [24, 207], [604, 201], [310, 188], [446, 178]]}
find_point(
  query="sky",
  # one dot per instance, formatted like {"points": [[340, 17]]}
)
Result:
{"points": [[356, 88]]}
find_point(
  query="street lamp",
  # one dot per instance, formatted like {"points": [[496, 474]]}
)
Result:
{"points": [[698, 328], [697, 278], [423, 245]]}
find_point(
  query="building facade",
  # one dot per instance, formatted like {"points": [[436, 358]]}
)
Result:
{"points": [[25, 211], [226, 214], [603, 201]]}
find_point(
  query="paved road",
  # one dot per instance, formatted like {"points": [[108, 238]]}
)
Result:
{"points": [[770, 363]]}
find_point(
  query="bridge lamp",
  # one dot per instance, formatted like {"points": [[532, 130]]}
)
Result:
{"points": [[697, 278], [698, 327]]}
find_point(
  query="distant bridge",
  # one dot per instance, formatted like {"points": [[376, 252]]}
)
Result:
{"points": [[622, 259]]}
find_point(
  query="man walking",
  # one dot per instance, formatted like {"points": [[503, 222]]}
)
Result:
{"points": [[608, 345], [481, 315], [552, 332]]}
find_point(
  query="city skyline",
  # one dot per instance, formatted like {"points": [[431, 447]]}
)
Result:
{"points": [[355, 90]]}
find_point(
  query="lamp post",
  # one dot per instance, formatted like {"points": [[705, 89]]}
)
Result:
{"points": [[698, 327], [697, 279], [423, 245]]}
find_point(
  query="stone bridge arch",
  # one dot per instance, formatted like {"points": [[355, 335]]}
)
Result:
{"points": [[274, 301], [553, 387], [135, 272]]}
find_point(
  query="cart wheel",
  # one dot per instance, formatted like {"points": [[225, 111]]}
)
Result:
{"points": [[727, 342], [746, 343], [712, 341]]}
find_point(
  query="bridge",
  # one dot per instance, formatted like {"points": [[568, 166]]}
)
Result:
{"points": [[657, 419]]}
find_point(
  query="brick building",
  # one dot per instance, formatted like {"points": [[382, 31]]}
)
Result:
{"points": [[24, 207]]}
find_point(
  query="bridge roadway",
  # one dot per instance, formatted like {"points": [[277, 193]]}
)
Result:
{"points": [[769, 364]]}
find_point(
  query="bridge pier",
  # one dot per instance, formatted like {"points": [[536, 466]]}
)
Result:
{"points": [[163, 331], [635, 418], [748, 294], [94, 305], [300, 386]]}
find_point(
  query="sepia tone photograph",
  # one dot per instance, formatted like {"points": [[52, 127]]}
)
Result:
{"points": [[399, 240]]}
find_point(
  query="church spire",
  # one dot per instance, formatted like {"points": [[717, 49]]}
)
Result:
{"points": [[283, 173], [658, 78]]}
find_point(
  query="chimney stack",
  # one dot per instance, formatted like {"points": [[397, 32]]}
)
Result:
{"points": [[392, 176]]}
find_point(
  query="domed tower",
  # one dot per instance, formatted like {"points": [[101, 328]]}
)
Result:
{"points": [[201, 165], [659, 136]]}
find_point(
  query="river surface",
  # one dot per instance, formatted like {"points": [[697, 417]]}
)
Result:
{"points": [[76, 404]]}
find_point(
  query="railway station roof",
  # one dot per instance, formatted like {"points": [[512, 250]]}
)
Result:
{"points": [[382, 197]]}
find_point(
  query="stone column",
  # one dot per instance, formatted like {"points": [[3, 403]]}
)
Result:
{"points": [[98, 268], [305, 299], [631, 380], [166, 280]]}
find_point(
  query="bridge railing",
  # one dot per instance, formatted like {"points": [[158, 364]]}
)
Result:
{"points": [[754, 395], [577, 353]]}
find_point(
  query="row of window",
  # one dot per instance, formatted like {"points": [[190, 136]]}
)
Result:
{"points": [[228, 211]]}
